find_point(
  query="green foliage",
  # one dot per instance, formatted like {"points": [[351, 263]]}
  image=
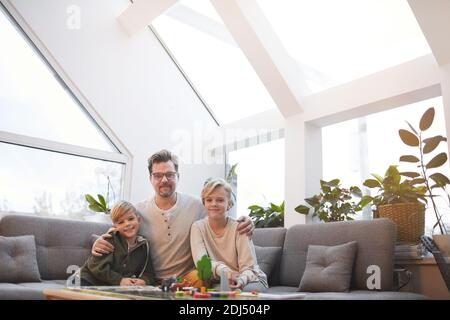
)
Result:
{"points": [[204, 268], [97, 205], [231, 173], [391, 189], [424, 148], [334, 203], [267, 217]]}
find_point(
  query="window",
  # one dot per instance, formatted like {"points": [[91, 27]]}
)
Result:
{"points": [[260, 175], [334, 42], [32, 100], [354, 149], [199, 41], [52, 183], [52, 151]]}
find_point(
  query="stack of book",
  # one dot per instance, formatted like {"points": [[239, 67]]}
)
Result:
{"points": [[408, 252]]}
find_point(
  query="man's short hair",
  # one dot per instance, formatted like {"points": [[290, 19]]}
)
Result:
{"points": [[120, 208], [162, 156]]}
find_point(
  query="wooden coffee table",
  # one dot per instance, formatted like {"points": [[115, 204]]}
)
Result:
{"points": [[131, 293]]}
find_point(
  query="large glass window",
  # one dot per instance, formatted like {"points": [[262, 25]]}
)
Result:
{"points": [[354, 149], [196, 36], [34, 103], [51, 183], [334, 42], [52, 151], [260, 175]]}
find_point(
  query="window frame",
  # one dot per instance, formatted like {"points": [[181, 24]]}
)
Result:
{"points": [[122, 156]]}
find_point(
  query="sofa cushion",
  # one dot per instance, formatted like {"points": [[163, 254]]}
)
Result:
{"points": [[376, 244], [271, 237], [328, 268], [60, 243], [18, 261], [267, 257]]}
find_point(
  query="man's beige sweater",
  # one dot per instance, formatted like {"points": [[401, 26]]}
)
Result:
{"points": [[167, 232]]}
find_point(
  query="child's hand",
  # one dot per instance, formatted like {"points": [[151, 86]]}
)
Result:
{"points": [[138, 282], [127, 282], [232, 280]]}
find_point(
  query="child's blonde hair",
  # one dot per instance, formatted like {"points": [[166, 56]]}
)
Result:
{"points": [[211, 184], [120, 208]]}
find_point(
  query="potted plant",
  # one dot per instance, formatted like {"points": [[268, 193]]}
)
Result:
{"points": [[97, 205], [425, 170], [334, 203], [267, 217], [401, 201], [100, 205]]}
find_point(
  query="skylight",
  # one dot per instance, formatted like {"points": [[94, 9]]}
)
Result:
{"points": [[335, 42], [217, 68]]}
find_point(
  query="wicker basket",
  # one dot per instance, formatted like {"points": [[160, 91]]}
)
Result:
{"points": [[409, 218]]}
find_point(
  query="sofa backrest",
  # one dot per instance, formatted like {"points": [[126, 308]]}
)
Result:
{"points": [[376, 244], [271, 237], [60, 243]]}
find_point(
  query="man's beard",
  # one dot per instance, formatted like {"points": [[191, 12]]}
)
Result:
{"points": [[169, 191]]}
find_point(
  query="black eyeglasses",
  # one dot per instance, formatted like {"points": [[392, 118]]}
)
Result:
{"points": [[169, 175]]}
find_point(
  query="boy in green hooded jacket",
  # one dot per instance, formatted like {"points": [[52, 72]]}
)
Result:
{"points": [[130, 264]]}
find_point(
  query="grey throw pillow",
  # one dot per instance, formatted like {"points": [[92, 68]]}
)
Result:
{"points": [[267, 257], [18, 260], [328, 269]]}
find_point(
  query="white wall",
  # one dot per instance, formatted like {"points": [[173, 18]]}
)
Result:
{"points": [[131, 83]]}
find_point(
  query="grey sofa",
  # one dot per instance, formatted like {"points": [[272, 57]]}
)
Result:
{"points": [[375, 241], [60, 243], [63, 243]]}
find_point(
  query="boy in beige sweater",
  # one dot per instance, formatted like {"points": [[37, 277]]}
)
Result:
{"points": [[217, 236]]}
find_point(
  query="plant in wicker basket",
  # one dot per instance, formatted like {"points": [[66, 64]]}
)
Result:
{"points": [[400, 201], [425, 146]]}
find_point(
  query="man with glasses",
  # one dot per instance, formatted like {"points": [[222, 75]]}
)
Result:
{"points": [[166, 220]]}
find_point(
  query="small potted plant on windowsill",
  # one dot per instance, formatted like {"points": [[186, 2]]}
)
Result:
{"points": [[98, 206], [334, 203]]}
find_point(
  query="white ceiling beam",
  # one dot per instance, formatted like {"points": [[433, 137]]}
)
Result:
{"points": [[406, 83], [434, 20], [141, 13], [254, 35]]}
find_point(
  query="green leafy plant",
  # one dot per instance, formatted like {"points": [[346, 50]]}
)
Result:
{"points": [[391, 189], [334, 203], [204, 268], [267, 217], [97, 205], [100, 204], [425, 146]]}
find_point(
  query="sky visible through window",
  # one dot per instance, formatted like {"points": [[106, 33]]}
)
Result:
{"points": [[34, 103], [260, 175], [335, 42], [199, 41]]}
